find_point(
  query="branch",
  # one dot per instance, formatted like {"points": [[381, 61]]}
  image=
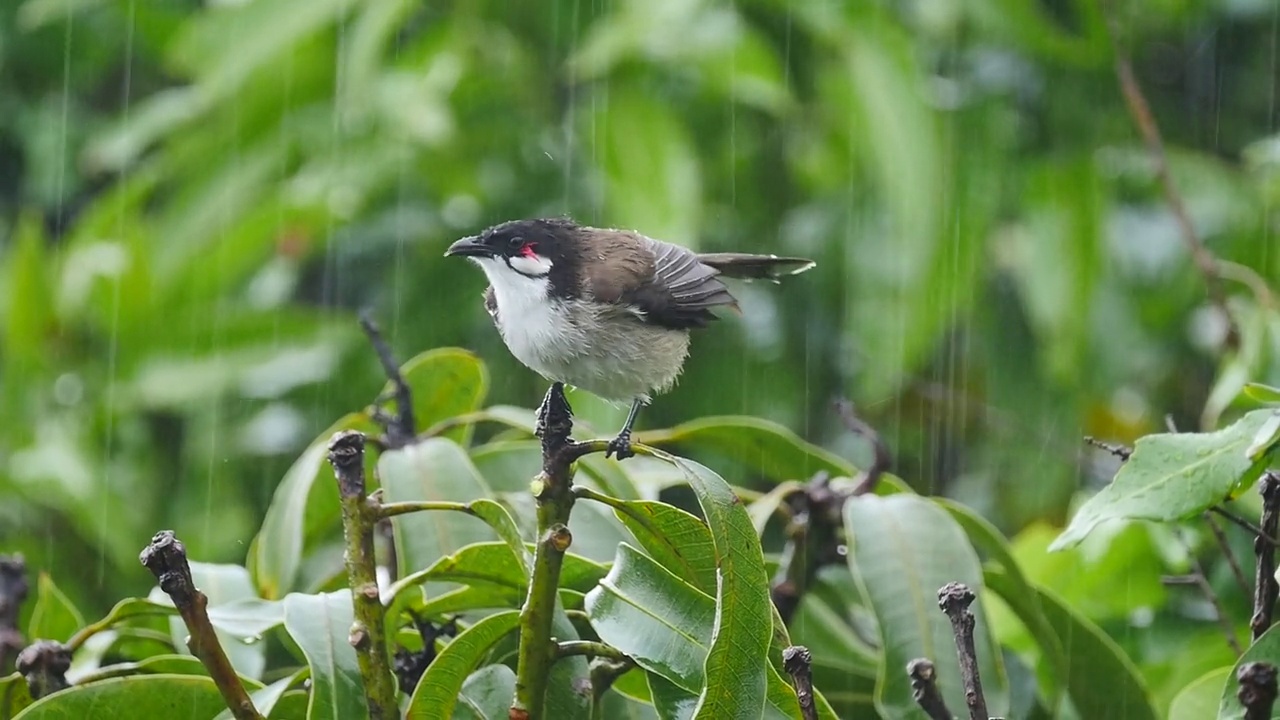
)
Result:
{"points": [[954, 599], [882, 459], [553, 495], [1265, 588], [166, 558], [589, 648], [359, 518], [1257, 691], [1201, 580], [1254, 530], [13, 591], [44, 665], [1221, 538], [400, 428], [813, 533], [924, 688], [798, 663], [1150, 131], [1119, 451]]}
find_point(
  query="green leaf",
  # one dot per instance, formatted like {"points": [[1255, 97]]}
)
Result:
{"points": [[54, 617], [438, 690], [239, 617], [902, 549], [1102, 681], [1172, 476], [168, 664], [679, 541], [670, 700], [1262, 393], [487, 694], [446, 383], [1199, 700], [650, 614], [434, 469], [28, 307], [497, 517], [769, 448], [140, 696], [1264, 649], [744, 618], [267, 698], [276, 553], [1266, 438], [15, 696], [320, 625]]}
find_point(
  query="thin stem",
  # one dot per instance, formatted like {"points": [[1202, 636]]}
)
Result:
{"points": [[882, 459], [1119, 451], [1204, 260], [1202, 581], [83, 634], [1254, 530], [166, 558], [359, 519], [400, 427], [390, 510], [1236, 570], [589, 648]]}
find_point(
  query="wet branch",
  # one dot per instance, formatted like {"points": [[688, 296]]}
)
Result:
{"points": [[1265, 588], [1221, 538], [166, 558], [13, 592], [1200, 580], [553, 495], [359, 519], [1119, 451], [924, 688], [813, 533], [44, 665], [798, 663], [1204, 260], [400, 427], [955, 598], [1257, 691]]}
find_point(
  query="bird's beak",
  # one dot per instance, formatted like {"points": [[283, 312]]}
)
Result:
{"points": [[469, 246]]}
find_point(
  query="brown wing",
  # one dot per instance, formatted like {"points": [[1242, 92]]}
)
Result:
{"points": [[665, 284]]}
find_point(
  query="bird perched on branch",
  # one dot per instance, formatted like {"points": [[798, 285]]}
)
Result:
{"points": [[606, 311]]}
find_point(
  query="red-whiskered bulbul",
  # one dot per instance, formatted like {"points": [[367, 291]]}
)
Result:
{"points": [[606, 311]]}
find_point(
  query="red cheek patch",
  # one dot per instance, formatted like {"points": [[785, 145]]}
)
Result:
{"points": [[527, 251]]}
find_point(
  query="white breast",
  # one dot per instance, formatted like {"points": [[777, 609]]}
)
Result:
{"points": [[536, 330]]}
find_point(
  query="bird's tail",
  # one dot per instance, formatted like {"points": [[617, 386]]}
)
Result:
{"points": [[755, 267]]}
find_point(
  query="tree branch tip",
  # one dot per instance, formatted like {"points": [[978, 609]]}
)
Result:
{"points": [[1257, 691]]}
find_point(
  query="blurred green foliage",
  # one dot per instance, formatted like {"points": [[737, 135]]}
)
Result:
{"points": [[195, 197]]}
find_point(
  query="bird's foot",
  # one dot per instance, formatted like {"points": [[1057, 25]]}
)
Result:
{"points": [[620, 446], [555, 415]]}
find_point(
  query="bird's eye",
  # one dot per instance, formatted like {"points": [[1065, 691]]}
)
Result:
{"points": [[515, 243]]}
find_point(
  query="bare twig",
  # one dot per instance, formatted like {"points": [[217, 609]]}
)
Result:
{"points": [[1236, 570], [400, 428], [13, 591], [166, 558], [1204, 260], [1257, 692], [589, 648], [798, 663], [1119, 451], [1235, 519], [1265, 588], [954, 599], [882, 459], [1201, 581], [924, 688], [368, 632]]}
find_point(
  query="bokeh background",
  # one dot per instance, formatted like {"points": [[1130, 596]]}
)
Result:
{"points": [[196, 198]]}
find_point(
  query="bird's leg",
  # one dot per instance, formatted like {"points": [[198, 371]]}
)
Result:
{"points": [[555, 415], [621, 445]]}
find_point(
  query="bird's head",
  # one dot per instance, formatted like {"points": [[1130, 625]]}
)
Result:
{"points": [[531, 248]]}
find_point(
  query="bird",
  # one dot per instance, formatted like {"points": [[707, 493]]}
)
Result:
{"points": [[605, 310]]}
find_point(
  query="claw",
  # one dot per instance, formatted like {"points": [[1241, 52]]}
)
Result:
{"points": [[620, 446]]}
